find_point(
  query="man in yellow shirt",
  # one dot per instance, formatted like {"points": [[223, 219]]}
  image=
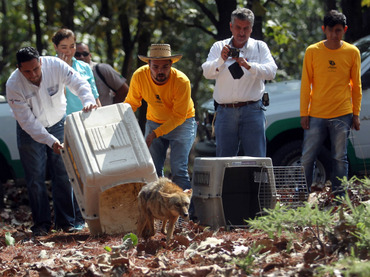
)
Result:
{"points": [[170, 114], [330, 98]]}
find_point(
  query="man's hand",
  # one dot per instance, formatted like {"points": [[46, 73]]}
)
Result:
{"points": [[149, 139], [305, 122], [89, 108], [57, 146], [356, 122], [225, 52], [243, 62]]}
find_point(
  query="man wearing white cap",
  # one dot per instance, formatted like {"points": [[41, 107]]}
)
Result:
{"points": [[170, 114]]}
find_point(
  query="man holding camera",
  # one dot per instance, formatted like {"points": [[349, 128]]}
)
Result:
{"points": [[240, 65]]}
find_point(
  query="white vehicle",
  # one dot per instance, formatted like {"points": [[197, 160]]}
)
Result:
{"points": [[10, 165], [285, 135]]}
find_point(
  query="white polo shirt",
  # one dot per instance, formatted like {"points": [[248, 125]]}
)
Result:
{"points": [[38, 107], [250, 86]]}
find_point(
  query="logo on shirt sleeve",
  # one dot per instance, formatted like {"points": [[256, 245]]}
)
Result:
{"points": [[14, 101]]}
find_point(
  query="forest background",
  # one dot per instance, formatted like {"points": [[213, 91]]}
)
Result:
{"points": [[119, 30]]}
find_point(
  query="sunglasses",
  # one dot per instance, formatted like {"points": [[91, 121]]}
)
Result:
{"points": [[78, 54]]}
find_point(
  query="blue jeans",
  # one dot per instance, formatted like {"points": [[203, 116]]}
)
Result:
{"points": [[243, 126], [180, 140], [338, 130], [34, 157]]}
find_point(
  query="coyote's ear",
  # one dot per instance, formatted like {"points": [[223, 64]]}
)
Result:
{"points": [[189, 192], [166, 196]]}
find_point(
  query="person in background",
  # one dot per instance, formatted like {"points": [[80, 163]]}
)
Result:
{"points": [[240, 65], [170, 114], [112, 87], [35, 93], [64, 41], [331, 96]]}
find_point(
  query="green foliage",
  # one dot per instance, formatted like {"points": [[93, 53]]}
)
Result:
{"points": [[357, 215], [365, 3], [289, 30], [132, 237], [247, 262], [347, 267], [9, 240], [282, 219], [360, 186], [346, 231], [129, 241]]}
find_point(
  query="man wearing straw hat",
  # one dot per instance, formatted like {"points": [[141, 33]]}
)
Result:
{"points": [[170, 114]]}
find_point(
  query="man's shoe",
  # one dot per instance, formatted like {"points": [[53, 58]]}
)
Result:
{"points": [[65, 229], [69, 229], [39, 232], [80, 227]]}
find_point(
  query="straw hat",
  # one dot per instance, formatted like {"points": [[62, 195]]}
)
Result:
{"points": [[160, 52]]}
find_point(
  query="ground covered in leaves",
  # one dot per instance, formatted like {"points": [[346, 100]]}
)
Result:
{"points": [[195, 250]]}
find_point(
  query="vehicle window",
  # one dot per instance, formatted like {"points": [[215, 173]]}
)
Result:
{"points": [[363, 45]]}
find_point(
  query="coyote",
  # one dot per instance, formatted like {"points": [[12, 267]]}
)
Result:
{"points": [[162, 200]]}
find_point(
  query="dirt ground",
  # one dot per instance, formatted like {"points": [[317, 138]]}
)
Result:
{"points": [[195, 251]]}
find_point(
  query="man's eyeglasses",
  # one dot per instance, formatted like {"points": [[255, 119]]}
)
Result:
{"points": [[79, 54]]}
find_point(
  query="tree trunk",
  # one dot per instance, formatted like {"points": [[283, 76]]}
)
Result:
{"points": [[259, 12], [36, 20], [225, 8], [352, 10], [143, 36], [49, 6], [143, 45], [67, 14], [3, 39], [330, 5], [106, 12]]}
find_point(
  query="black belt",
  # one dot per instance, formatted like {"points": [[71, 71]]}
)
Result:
{"points": [[238, 104]]}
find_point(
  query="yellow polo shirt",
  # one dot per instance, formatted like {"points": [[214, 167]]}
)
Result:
{"points": [[169, 104]]}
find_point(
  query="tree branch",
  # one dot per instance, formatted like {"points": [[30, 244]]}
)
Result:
{"points": [[207, 12], [170, 19], [274, 1]]}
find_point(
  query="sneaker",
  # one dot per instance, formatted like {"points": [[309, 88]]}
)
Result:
{"points": [[80, 227], [69, 229]]}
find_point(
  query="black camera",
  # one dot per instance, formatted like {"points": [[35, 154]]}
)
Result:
{"points": [[234, 52]]}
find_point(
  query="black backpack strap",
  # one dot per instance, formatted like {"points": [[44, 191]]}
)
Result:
{"points": [[102, 77]]}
